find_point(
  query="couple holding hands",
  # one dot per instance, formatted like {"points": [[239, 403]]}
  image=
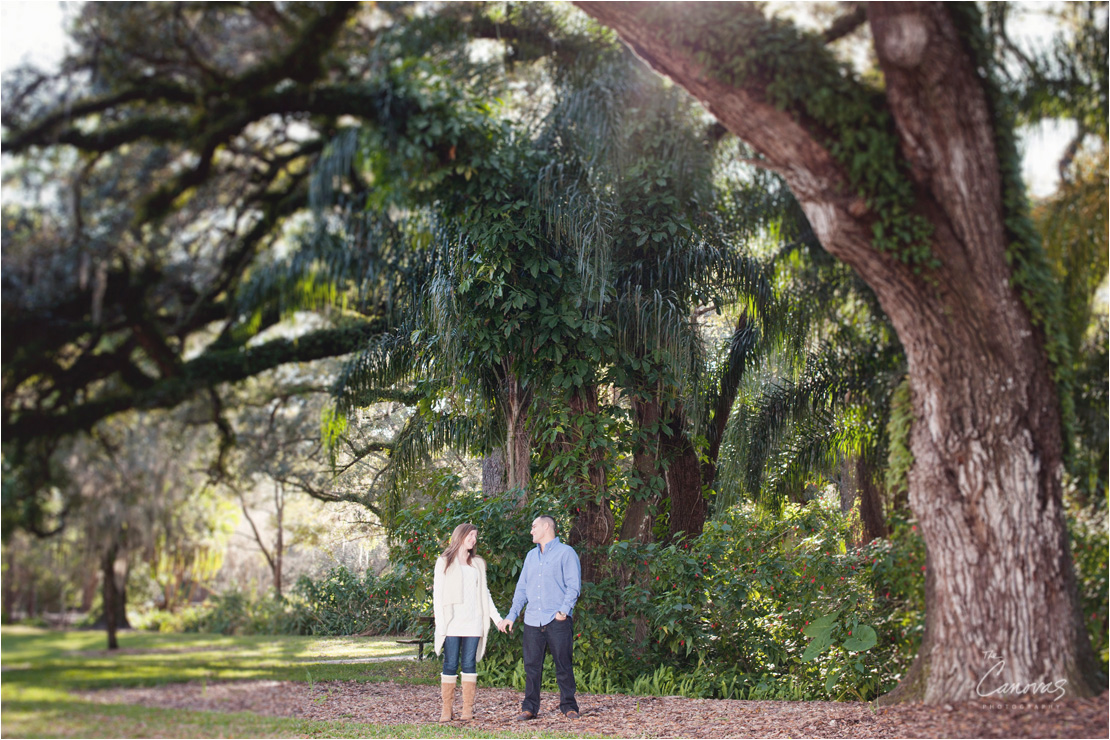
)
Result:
{"points": [[549, 584]]}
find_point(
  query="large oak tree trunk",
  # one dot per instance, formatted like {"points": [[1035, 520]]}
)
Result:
{"points": [[985, 485]]}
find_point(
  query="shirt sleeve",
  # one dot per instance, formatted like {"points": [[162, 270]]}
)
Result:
{"points": [[520, 596], [572, 577]]}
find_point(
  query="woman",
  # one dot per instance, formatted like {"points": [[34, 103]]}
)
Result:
{"points": [[464, 610]]}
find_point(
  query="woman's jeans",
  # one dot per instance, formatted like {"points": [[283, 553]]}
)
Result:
{"points": [[455, 648]]}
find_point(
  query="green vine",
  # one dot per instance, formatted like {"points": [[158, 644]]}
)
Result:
{"points": [[739, 46], [798, 74]]}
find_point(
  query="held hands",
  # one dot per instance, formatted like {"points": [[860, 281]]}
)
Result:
{"points": [[505, 625]]}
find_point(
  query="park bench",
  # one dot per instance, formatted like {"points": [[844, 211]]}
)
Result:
{"points": [[418, 641]]}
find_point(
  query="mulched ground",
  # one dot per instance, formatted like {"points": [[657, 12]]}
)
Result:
{"points": [[631, 716]]}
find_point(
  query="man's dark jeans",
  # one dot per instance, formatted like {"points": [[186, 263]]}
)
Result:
{"points": [[558, 638]]}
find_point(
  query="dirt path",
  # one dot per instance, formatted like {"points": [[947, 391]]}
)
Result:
{"points": [[630, 716]]}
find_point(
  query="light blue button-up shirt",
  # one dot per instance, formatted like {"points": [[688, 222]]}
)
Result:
{"points": [[549, 582]]}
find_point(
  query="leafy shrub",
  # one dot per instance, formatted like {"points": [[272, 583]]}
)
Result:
{"points": [[343, 603], [1090, 548], [763, 606], [757, 607], [724, 615]]}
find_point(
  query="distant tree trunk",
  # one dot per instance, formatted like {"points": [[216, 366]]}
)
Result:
{"points": [[870, 502], [593, 528], [111, 594], [279, 538], [88, 590], [985, 485], [849, 487], [122, 622], [689, 508], [494, 478], [9, 588]]}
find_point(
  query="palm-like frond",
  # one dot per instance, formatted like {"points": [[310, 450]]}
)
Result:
{"points": [[426, 435], [391, 360]]}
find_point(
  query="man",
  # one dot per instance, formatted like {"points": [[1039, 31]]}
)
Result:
{"points": [[549, 584]]}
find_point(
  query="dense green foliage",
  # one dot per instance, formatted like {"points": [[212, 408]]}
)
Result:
{"points": [[549, 223]]}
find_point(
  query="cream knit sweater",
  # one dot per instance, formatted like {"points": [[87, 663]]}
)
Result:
{"points": [[447, 595]]}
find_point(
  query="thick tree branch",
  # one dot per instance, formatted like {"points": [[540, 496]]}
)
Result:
{"points": [[207, 371], [791, 146], [845, 24]]}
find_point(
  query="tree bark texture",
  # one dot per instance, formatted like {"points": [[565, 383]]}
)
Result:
{"points": [[870, 502], [689, 508], [985, 485], [494, 473], [849, 483], [110, 590]]}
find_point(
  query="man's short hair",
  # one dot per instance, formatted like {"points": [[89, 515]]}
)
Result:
{"points": [[550, 520]]}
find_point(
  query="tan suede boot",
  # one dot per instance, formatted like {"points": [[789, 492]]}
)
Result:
{"points": [[470, 688], [448, 692]]}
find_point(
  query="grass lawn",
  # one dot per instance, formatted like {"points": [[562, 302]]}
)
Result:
{"points": [[40, 667]]}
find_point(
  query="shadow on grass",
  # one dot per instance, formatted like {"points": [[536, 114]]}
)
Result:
{"points": [[74, 660], [41, 667]]}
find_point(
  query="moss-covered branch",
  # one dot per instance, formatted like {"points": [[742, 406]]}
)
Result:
{"points": [[209, 370]]}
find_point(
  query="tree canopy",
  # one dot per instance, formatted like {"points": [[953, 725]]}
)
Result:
{"points": [[499, 216]]}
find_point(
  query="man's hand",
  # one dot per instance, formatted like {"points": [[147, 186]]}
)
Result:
{"points": [[505, 625], [560, 616]]}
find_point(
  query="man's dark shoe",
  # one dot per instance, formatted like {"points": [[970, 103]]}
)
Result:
{"points": [[526, 715], [572, 714]]}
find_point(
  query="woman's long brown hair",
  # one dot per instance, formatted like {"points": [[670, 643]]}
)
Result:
{"points": [[456, 543]]}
